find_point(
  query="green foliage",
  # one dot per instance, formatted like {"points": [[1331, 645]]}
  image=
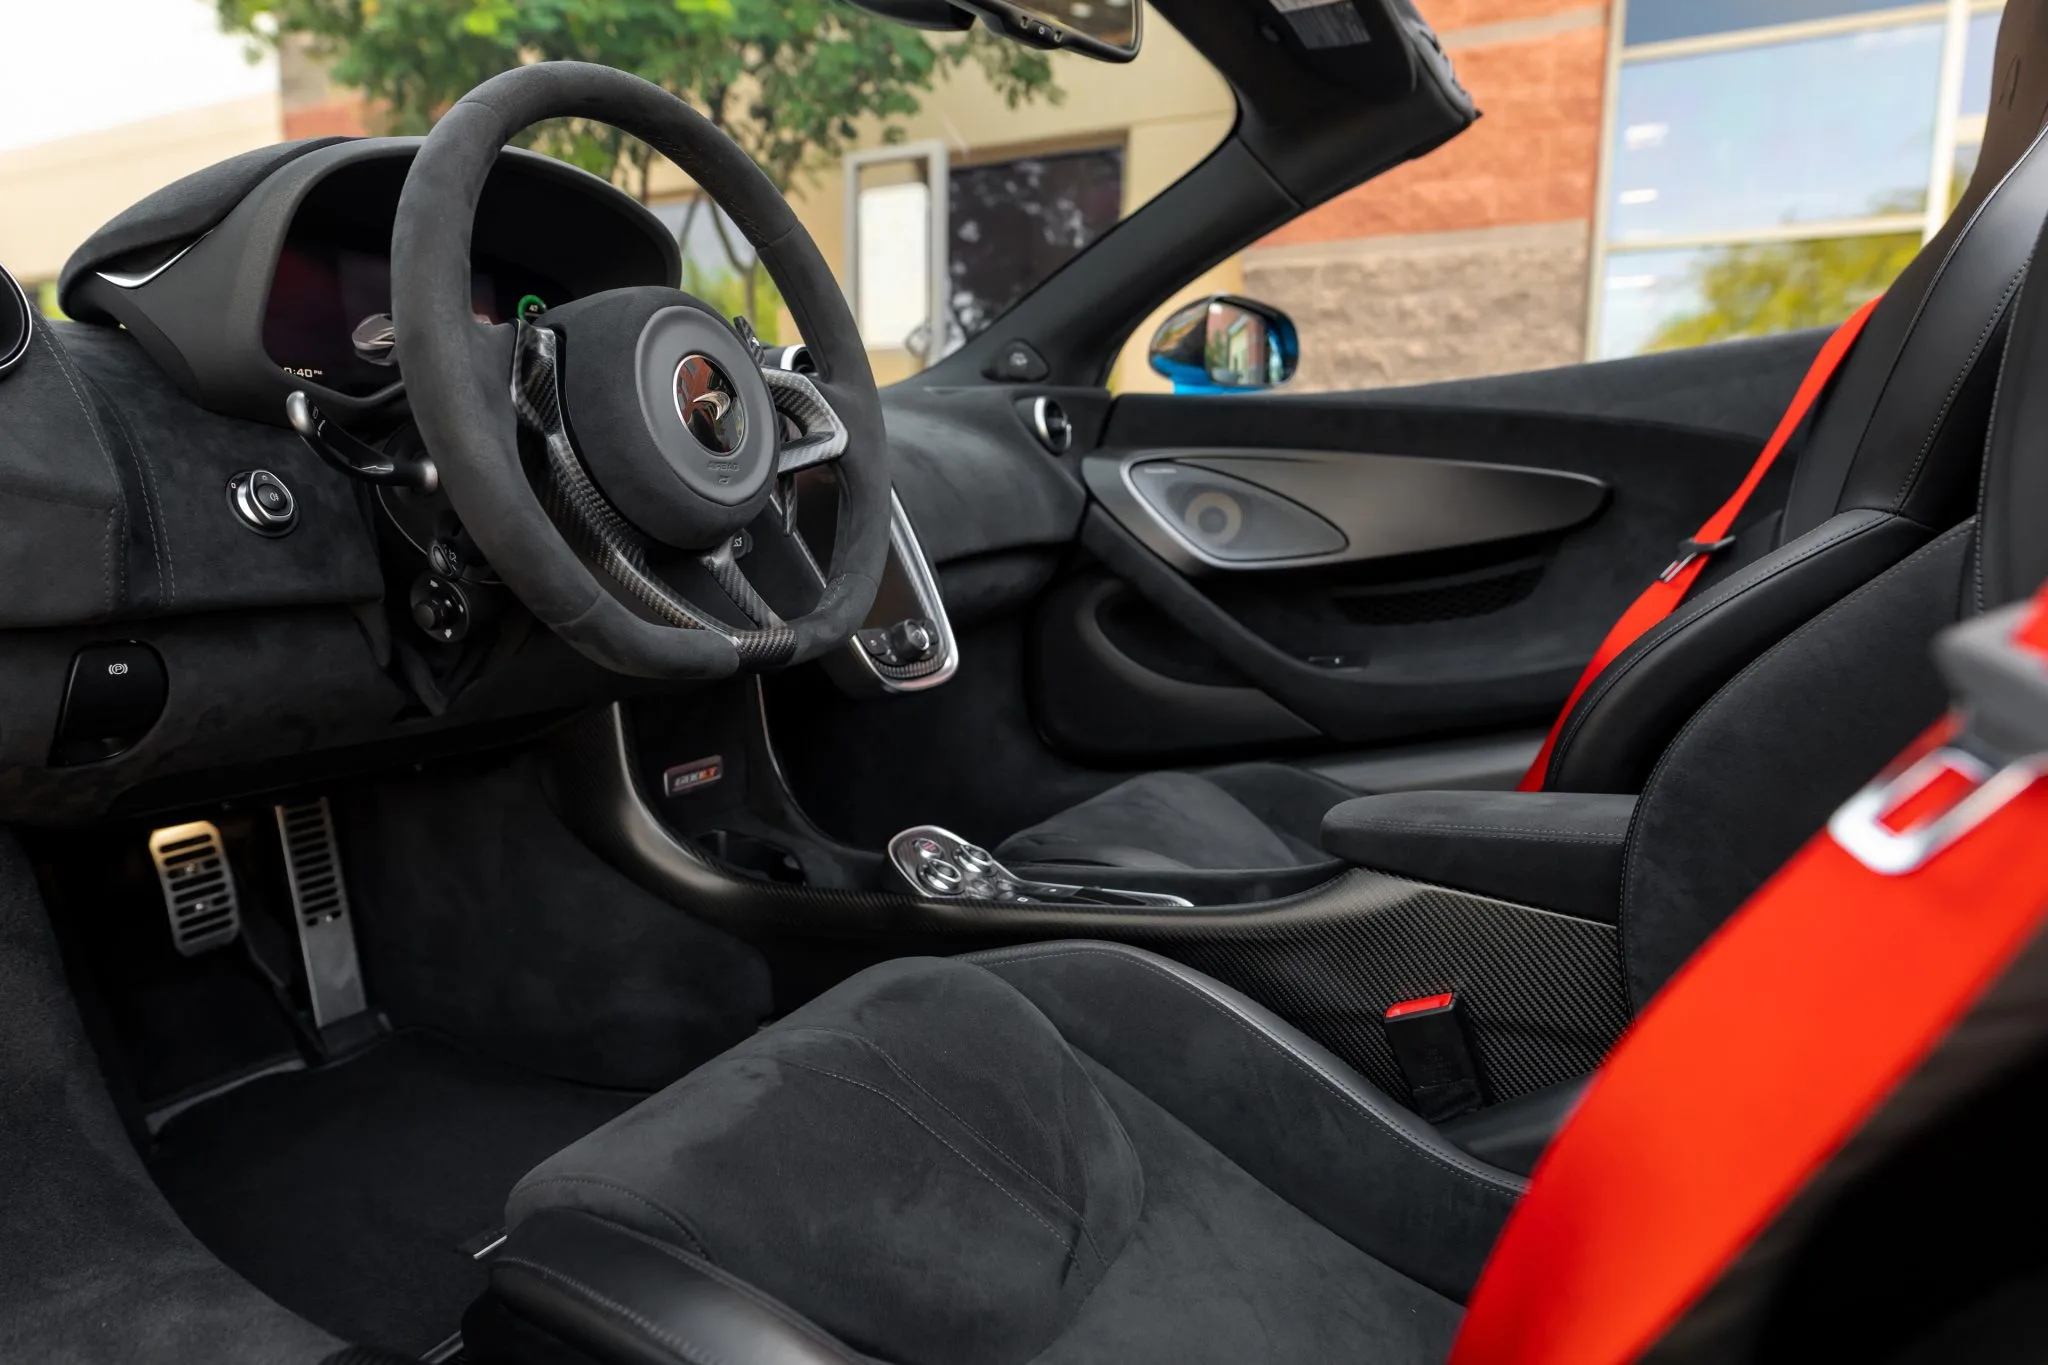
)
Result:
{"points": [[725, 290], [1763, 288], [789, 80]]}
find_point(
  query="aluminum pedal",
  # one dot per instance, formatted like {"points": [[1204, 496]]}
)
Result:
{"points": [[327, 937], [198, 885]]}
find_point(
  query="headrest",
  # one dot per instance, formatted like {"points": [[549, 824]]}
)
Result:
{"points": [[1903, 429], [2019, 97]]}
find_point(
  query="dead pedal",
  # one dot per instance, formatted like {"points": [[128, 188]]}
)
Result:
{"points": [[198, 885]]}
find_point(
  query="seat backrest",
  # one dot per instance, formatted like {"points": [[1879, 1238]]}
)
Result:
{"points": [[1815, 1144], [1892, 457], [1762, 764]]}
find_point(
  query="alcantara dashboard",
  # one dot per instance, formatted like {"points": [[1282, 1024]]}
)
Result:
{"points": [[291, 286]]}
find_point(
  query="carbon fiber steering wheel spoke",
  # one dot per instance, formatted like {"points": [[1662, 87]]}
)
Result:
{"points": [[589, 522], [823, 436], [732, 580]]}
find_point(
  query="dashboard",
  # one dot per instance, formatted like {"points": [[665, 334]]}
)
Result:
{"points": [[290, 286], [268, 659]]}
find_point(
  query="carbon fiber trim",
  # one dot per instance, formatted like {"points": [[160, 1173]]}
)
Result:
{"points": [[594, 528], [798, 399], [923, 668], [580, 512], [1543, 992]]}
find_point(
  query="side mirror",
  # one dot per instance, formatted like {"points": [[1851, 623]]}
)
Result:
{"points": [[1225, 344]]}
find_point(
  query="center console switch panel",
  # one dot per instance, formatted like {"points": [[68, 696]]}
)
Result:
{"points": [[940, 865], [906, 644]]}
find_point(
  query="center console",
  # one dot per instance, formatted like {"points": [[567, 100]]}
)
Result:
{"points": [[941, 865]]}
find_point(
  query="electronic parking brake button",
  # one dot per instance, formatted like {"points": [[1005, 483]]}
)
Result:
{"points": [[114, 695]]}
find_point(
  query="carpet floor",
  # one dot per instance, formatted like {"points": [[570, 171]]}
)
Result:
{"points": [[355, 1194]]}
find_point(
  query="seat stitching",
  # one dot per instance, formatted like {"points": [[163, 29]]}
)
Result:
{"points": [[675, 1220], [1404, 827], [1984, 472], [1955, 386], [1670, 629], [988, 1141], [1407, 1139], [909, 1113], [689, 1350]]}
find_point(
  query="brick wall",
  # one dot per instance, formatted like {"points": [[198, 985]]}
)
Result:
{"points": [[1474, 259]]}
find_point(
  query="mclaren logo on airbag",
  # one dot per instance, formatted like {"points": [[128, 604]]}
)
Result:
{"points": [[708, 406]]}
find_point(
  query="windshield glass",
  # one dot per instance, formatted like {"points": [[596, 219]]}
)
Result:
{"points": [[943, 175]]}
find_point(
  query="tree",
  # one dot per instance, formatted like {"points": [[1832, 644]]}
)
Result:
{"points": [[1768, 287], [788, 80]]}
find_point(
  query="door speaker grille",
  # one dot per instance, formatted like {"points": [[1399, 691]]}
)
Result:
{"points": [[198, 885]]}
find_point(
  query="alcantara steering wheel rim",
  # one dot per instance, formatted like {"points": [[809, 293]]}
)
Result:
{"points": [[461, 376]]}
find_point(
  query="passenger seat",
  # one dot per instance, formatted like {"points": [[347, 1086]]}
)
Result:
{"points": [[1891, 462]]}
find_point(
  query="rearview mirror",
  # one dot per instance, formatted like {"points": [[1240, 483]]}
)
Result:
{"points": [[1107, 30], [1223, 344]]}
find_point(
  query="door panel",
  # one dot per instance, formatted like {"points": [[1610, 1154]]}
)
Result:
{"points": [[1206, 510], [1492, 532]]}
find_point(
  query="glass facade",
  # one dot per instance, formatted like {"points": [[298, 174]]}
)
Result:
{"points": [[1771, 164]]}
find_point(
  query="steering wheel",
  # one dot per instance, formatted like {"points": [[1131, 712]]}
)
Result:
{"points": [[615, 458]]}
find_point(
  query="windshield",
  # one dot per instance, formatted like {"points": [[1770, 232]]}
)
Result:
{"points": [[943, 175], [1650, 174]]}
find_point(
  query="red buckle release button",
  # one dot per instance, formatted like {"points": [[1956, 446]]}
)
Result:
{"points": [[1421, 1005]]}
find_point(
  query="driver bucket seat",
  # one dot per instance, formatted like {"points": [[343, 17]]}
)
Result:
{"points": [[1890, 460], [1081, 1151]]}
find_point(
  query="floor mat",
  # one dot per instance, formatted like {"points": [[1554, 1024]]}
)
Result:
{"points": [[347, 1193]]}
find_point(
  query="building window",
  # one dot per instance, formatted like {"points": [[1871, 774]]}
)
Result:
{"points": [[1772, 164], [975, 237], [1012, 223]]}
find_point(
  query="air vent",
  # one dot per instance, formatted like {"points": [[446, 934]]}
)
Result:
{"points": [[199, 886], [312, 865]]}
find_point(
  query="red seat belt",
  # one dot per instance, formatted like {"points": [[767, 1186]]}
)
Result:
{"points": [[1662, 597], [1784, 1034]]}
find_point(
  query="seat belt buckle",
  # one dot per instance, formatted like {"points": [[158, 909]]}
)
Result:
{"points": [[1688, 551], [1998, 747], [1427, 1036]]}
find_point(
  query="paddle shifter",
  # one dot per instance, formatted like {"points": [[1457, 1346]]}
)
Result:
{"points": [[941, 865]]}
